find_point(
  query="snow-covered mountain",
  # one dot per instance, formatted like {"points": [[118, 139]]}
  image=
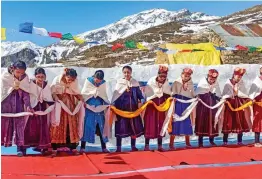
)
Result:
{"points": [[128, 26], [120, 29], [145, 25], [9, 48]]}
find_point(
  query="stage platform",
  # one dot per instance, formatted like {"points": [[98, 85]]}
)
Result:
{"points": [[231, 162]]}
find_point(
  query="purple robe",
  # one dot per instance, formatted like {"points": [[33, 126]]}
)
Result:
{"points": [[128, 101], [17, 101], [205, 117], [154, 119], [37, 132]]}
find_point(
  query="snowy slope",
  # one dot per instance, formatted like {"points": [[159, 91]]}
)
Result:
{"points": [[128, 26], [9, 48]]}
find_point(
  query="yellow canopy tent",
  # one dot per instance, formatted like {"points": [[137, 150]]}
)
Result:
{"points": [[209, 55]]}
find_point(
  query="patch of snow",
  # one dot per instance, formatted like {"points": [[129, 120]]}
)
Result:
{"points": [[9, 48]]}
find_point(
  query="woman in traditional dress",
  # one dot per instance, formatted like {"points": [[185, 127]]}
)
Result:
{"points": [[65, 90], [158, 90], [37, 131], [94, 93], [127, 97], [15, 99], [256, 95], [183, 89], [236, 94], [209, 92]]}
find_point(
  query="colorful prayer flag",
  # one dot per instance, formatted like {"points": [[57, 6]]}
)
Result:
{"points": [[55, 35], [78, 40], [239, 47], [67, 36], [3, 37], [141, 46], [26, 27], [93, 42], [109, 45], [117, 46], [185, 50], [197, 50], [252, 49], [40, 31], [220, 48], [130, 44], [162, 49], [230, 48], [171, 52]]}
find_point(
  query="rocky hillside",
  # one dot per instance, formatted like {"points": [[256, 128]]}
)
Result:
{"points": [[155, 27], [176, 32]]}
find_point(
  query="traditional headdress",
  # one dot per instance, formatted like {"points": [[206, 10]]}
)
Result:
{"points": [[239, 71], [213, 73], [188, 71], [162, 69]]}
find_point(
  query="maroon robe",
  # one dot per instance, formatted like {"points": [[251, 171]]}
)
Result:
{"points": [[17, 101], [257, 123], [153, 119], [205, 117], [37, 132], [235, 122]]}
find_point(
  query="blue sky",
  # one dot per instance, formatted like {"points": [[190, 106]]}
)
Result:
{"points": [[78, 17]]}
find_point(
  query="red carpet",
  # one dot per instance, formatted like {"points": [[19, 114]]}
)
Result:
{"points": [[214, 155], [38, 167], [117, 162], [65, 165]]}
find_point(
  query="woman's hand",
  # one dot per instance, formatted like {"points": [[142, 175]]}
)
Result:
{"points": [[80, 97], [29, 109], [56, 98]]}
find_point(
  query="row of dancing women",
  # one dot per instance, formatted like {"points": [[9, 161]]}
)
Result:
{"points": [[46, 132]]}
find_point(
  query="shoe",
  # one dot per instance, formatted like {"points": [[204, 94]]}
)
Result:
{"points": [[20, 154], [225, 144], [54, 153], [161, 149], [200, 145], [189, 146], [172, 148], [105, 150], [147, 148], [213, 144], [82, 151], [258, 145], [44, 151], [75, 152], [118, 149], [36, 149], [240, 143], [134, 149]]}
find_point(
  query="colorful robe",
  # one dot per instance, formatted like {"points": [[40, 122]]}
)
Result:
{"points": [[235, 122], [95, 97], [14, 100], [126, 97], [256, 94], [66, 132], [153, 119], [205, 117], [182, 127], [37, 130]]}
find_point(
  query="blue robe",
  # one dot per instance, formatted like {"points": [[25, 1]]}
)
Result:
{"points": [[182, 127], [128, 101], [92, 119]]}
